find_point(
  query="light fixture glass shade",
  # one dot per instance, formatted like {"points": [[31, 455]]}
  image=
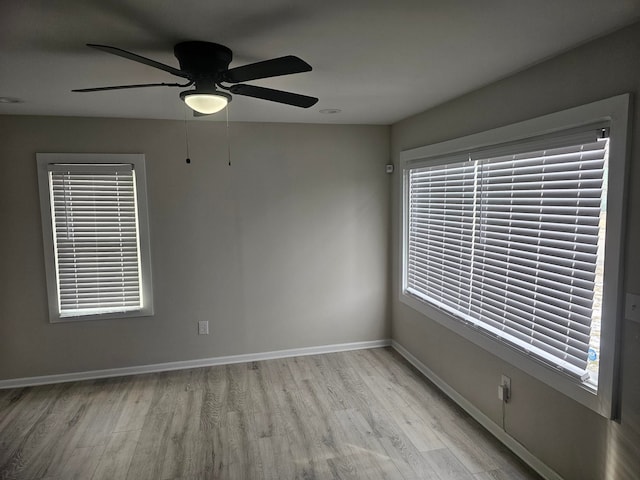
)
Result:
{"points": [[205, 102]]}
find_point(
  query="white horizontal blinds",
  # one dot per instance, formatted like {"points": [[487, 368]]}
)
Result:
{"points": [[532, 236], [536, 250], [440, 237], [96, 243]]}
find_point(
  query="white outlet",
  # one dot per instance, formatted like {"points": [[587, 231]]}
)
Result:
{"points": [[203, 327], [504, 389], [632, 307]]}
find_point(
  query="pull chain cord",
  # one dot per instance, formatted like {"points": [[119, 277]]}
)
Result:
{"points": [[186, 136], [228, 139]]}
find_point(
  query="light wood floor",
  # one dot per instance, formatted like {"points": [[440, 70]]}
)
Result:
{"points": [[365, 414]]}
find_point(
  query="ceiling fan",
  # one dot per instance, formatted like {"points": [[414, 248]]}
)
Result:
{"points": [[206, 65]]}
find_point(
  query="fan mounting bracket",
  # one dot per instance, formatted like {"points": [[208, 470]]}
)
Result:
{"points": [[203, 60]]}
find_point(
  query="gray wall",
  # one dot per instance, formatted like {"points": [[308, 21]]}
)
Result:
{"points": [[286, 248], [571, 439]]}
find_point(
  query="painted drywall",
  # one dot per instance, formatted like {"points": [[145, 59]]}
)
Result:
{"points": [[285, 248], [571, 439]]}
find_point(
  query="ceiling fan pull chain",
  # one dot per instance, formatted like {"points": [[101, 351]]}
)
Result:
{"points": [[228, 139], [186, 136]]}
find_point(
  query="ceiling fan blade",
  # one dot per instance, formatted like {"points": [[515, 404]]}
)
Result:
{"points": [[139, 59], [140, 85], [279, 96], [267, 68]]}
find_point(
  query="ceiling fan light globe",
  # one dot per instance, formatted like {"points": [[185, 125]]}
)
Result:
{"points": [[204, 102]]}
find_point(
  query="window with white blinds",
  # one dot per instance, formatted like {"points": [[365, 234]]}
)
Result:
{"points": [[513, 244], [96, 239], [513, 239]]}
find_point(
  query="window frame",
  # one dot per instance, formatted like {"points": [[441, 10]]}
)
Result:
{"points": [[615, 112], [138, 164]]}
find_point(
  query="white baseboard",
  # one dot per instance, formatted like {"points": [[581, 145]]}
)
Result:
{"points": [[510, 442], [181, 365]]}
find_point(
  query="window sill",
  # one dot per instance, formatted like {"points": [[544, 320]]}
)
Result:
{"points": [[145, 312]]}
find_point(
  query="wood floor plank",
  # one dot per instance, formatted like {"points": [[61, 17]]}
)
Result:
{"points": [[311, 394], [117, 456], [153, 441], [259, 397], [213, 411], [421, 395], [237, 378], [499, 453], [9, 403], [366, 447], [493, 475], [137, 405], [288, 406], [446, 465], [273, 467], [331, 382], [419, 433], [466, 445], [90, 424], [183, 456], [352, 415], [378, 416], [409, 462], [38, 451], [262, 401], [311, 405], [213, 418], [360, 397], [215, 451], [301, 367], [443, 429], [443, 419], [277, 460], [306, 401], [101, 415], [82, 463], [18, 417]]}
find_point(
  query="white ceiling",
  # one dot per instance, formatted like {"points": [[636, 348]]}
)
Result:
{"points": [[378, 61]]}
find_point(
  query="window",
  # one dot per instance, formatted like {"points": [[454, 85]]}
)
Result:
{"points": [[518, 240], [96, 235]]}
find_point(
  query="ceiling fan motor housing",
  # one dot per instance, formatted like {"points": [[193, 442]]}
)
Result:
{"points": [[204, 61]]}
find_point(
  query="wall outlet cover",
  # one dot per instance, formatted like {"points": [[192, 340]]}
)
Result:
{"points": [[203, 327], [504, 389]]}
